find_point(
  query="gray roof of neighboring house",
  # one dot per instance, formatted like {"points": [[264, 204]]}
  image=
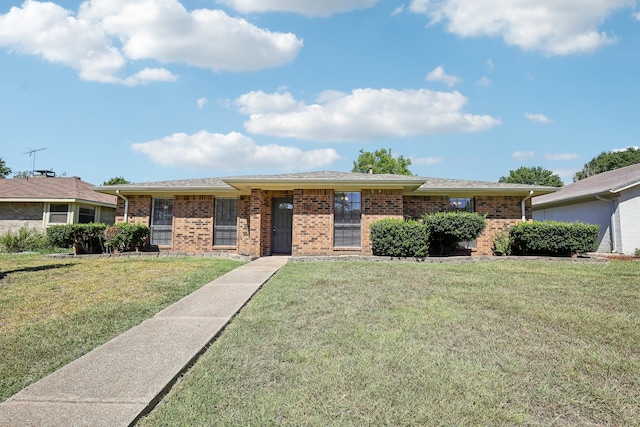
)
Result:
{"points": [[411, 183], [48, 189], [602, 184]]}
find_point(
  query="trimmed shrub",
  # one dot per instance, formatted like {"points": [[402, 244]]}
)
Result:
{"points": [[553, 238], [60, 236], [126, 237], [83, 238], [399, 238], [447, 229]]}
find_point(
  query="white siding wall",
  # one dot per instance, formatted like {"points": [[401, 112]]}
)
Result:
{"points": [[596, 212], [630, 220]]}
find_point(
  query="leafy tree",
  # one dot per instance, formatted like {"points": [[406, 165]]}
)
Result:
{"points": [[381, 161], [4, 170], [534, 175], [115, 181], [608, 161]]}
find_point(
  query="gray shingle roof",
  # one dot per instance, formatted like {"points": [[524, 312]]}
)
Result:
{"points": [[601, 184], [47, 188], [327, 179]]}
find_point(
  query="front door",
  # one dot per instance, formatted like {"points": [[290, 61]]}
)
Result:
{"points": [[282, 219]]}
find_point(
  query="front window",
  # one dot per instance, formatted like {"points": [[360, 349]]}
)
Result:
{"points": [[461, 204], [86, 214], [58, 213], [226, 222], [346, 220], [161, 222]]}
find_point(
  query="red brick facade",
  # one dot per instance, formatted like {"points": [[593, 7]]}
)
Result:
{"points": [[312, 224]]}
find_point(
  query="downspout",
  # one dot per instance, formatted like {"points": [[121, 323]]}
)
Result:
{"points": [[612, 222], [126, 205], [524, 216]]}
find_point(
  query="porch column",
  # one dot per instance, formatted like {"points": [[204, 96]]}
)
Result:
{"points": [[255, 223]]}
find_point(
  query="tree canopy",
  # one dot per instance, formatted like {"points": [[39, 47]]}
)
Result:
{"points": [[381, 161], [4, 169], [608, 161], [115, 181], [535, 175]]}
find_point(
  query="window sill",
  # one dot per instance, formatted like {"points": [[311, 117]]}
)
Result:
{"points": [[226, 248], [347, 248]]}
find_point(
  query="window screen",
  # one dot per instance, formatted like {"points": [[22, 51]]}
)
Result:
{"points": [[226, 222], [346, 222]]}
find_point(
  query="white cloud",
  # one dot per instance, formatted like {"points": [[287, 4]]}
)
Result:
{"points": [[364, 114], [201, 102], [559, 157], [398, 10], [307, 8], [490, 65], [555, 27], [484, 81], [538, 118], [232, 151], [106, 36], [522, 155], [637, 16], [439, 75], [427, 160]]}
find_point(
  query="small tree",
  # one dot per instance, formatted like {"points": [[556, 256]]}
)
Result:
{"points": [[535, 175], [4, 169], [381, 161], [22, 174], [115, 181]]}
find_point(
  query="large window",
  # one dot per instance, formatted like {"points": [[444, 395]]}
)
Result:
{"points": [[86, 214], [225, 228], [461, 204], [346, 219], [58, 213], [161, 222]]}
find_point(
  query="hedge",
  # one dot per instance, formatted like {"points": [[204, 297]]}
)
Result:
{"points": [[125, 237], [447, 229], [399, 238], [84, 238], [553, 238]]}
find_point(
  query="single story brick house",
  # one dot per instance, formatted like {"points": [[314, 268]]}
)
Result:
{"points": [[610, 199], [39, 202], [307, 214]]}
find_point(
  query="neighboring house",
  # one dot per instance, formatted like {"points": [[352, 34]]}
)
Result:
{"points": [[316, 213], [610, 199], [43, 201]]}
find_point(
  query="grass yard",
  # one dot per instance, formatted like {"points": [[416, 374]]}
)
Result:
{"points": [[54, 310], [404, 344]]}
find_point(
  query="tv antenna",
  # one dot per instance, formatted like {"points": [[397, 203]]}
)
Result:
{"points": [[33, 152]]}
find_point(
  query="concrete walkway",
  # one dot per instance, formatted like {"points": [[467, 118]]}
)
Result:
{"points": [[118, 382]]}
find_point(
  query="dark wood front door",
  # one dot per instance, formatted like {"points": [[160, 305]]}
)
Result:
{"points": [[282, 219]]}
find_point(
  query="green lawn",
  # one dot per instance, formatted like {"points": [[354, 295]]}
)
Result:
{"points": [[54, 310], [404, 344]]}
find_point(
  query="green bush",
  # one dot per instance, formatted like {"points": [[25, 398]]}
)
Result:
{"points": [[126, 237], [399, 238], [25, 239], [447, 229], [502, 244], [553, 238], [84, 238], [60, 236]]}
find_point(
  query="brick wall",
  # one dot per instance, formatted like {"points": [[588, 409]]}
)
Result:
{"points": [[503, 212], [193, 223], [139, 210], [14, 216], [376, 205], [312, 222], [416, 206]]}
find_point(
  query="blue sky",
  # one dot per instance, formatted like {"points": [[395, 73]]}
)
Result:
{"points": [[165, 89]]}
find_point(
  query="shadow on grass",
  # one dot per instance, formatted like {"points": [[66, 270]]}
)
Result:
{"points": [[3, 274]]}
